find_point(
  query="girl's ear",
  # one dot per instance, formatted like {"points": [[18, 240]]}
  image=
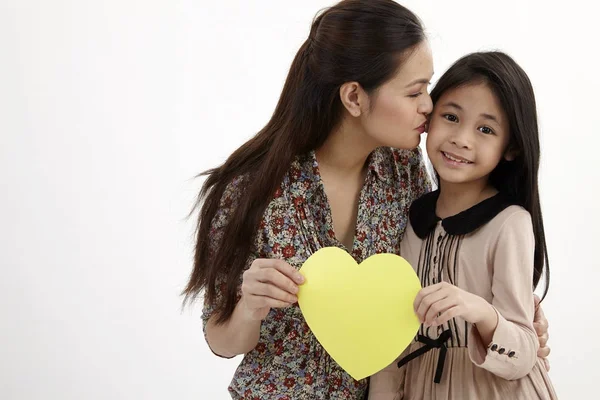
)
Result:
{"points": [[510, 154]]}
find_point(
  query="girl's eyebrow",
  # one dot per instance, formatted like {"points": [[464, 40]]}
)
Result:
{"points": [[490, 117], [453, 105], [484, 115]]}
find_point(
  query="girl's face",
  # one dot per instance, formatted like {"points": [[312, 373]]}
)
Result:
{"points": [[468, 134], [398, 110]]}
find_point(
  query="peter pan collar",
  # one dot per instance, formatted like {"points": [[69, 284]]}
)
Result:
{"points": [[424, 219]]}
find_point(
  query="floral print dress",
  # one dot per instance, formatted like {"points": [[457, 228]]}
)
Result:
{"points": [[288, 362]]}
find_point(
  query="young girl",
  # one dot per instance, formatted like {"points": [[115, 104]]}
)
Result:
{"points": [[477, 243]]}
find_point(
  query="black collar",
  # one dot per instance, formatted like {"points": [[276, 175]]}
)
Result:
{"points": [[424, 219]]}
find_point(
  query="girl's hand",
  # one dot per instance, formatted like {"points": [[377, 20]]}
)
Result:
{"points": [[266, 284], [439, 303]]}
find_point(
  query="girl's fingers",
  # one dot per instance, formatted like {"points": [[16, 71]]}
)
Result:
{"points": [[426, 291], [447, 316], [438, 308], [422, 308]]}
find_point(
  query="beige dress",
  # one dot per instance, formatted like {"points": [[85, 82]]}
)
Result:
{"points": [[486, 250]]}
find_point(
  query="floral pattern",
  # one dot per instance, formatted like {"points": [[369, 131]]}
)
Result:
{"points": [[288, 362]]}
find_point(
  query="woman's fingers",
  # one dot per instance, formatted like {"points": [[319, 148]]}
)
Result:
{"points": [[546, 364], [264, 301], [265, 287], [268, 283], [283, 267], [543, 352], [278, 279]]}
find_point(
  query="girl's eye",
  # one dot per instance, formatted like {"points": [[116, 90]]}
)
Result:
{"points": [[415, 95], [487, 130], [450, 117]]}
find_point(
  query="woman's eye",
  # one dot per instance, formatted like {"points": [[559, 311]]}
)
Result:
{"points": [[487, 130], [415, 94], [450, 117]]}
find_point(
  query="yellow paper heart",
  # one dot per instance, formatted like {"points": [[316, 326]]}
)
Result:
{"points": [[363, 314]]}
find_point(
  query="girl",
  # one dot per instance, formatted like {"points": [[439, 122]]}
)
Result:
{"points": [[477, 243], [324, 171]]}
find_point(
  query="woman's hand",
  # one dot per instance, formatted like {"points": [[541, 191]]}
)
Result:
{"points": [[269, 283], [540, 323], [439, 303]]}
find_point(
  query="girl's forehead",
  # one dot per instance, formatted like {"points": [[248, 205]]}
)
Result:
{"points": [[477, 98], [477, 93]]}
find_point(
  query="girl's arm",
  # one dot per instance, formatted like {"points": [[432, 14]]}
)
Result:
{"points": [[502, 338], [512, 351]]}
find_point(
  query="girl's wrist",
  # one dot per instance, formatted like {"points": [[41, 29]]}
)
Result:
{"points": [[488, 322]]}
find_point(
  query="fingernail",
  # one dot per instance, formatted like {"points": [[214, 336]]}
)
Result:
{"points": [[299, 278]]}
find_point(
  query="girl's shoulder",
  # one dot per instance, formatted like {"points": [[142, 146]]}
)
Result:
{"points": [[514, 223], [511, 216]]}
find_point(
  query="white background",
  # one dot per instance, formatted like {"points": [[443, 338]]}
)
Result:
{"points": [[109, 108]]}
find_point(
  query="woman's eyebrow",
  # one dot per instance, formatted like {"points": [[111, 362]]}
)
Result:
{"points": [[422, 81]]}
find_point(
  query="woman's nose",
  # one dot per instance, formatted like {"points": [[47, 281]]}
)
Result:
{"points": [[426, 106]]}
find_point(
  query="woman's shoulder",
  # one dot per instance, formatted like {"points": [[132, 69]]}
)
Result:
{"points": [[401, 157]]}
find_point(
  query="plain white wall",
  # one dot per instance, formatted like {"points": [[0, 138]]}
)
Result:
{"points": [[108, 110]]}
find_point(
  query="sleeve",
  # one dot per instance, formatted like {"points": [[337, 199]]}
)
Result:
{"points": [[388, 384], [513, 350], [227, 204]]}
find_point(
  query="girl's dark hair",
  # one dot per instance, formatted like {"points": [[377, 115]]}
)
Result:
{"points": [[518, 179], [352, 41]]}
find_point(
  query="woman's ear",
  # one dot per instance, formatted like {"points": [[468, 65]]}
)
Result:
{"points": [[354, 98]]}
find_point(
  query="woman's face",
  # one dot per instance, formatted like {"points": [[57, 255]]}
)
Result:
{"points": [[398, 109]]}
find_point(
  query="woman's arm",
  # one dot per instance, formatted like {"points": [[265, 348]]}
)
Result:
{"points": [[268, 283], [540, 323], [238, 335]]}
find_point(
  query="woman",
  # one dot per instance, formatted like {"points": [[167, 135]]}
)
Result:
{"points": [[337, 165]]}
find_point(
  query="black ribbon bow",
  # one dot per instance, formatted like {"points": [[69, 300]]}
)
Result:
{"points": [[439, 343]]}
